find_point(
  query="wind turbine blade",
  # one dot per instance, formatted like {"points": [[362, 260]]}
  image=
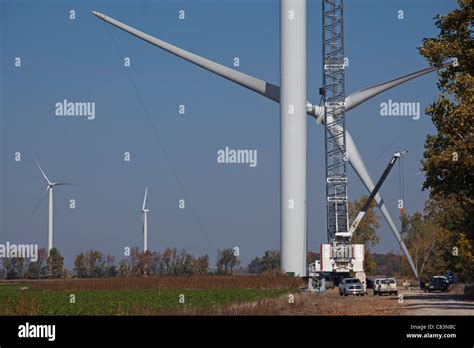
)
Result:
{"points": [[262, 87], [42, 172], [144, 198], [365, 94], [63, 183], [41, 200], [358, 165]]}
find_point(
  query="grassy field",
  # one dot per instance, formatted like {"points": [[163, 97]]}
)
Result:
{"points": [[203, 295], [141, 296]]}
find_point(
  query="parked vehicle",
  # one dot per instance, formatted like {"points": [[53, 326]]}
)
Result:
{"points": [[424, 284], [370, 283], [387, 286], [438, 283], [376, 285], [363, 280], [351, 286], [452, 278], [329, 284]]}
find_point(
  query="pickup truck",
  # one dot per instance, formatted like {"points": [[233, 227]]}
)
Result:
{"points": [[438, 283], [387, 286], [376, 286], [351, 286]]}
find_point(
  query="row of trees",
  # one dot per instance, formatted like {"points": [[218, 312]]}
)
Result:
{"points": [[95, 264], [51, 266], [170, 261]]}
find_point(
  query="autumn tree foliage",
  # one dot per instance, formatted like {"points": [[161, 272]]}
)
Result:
{"points": [[226, 261], [427, 242], [269, 262], [448, 161], [94, 264], [55, 264]]}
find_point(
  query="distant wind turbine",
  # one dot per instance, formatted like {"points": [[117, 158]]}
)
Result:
{"points": [[49, 188], [145, 222]]}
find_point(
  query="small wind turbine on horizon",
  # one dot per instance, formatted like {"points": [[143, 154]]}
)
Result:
{"points": [[145, 222], [49, 189]]}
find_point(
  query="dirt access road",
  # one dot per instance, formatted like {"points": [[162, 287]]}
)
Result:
{"points": [[419, 303], [414, 302]]}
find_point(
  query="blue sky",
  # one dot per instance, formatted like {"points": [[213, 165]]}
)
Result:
{"points": [[236, 205]]}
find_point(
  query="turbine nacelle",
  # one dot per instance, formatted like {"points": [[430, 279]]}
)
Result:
{"points": [[49, 186]]}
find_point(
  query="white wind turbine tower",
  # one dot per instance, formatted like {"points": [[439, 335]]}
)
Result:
{"points": [[145, 222], [49, 189], [293, 122]]}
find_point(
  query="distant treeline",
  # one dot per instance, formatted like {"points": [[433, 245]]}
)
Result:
{"points": [[389, 265], [95, 264], [171, 261]]}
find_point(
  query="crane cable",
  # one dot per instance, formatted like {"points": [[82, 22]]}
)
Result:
{"points": [[161, 144]]}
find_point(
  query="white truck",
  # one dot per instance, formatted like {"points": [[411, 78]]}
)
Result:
{"points": [[387, 286], [351, 286]]}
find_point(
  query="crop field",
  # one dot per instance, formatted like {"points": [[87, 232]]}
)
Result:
{"points": [[167, 295], [210, 295]]}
